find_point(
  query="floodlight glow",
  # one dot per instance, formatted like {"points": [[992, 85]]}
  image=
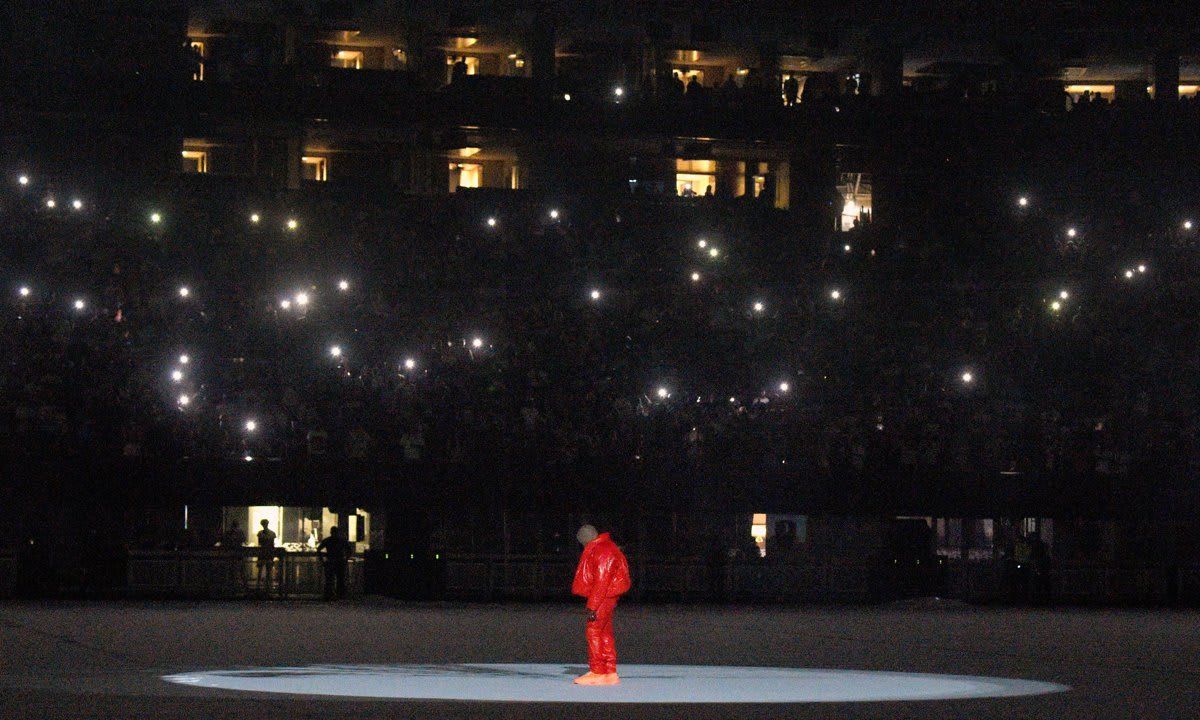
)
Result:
{"points": [[1056, 306], [23, 180], [184, 359], [293, 223], [155, 217], [713, 252], [476, 342], [1023, 201], [184, 400], [335, 351], [491, 222], [846, 248], [759, 307], [567, 97], [251, 426], [732, 399], [1063, 294], [255, 218], [50, 203], [695, 277], [1072, 232], [249, 458], [24, 291], [184, 291], [410, 364], [662, 393], [77, 204], [595, 294], [968, 377], [343, 285], [177, 375], [835, 294], [1128, 274], [302, 298], [618, 91], [79, 304], [554, 214], [702, 244], [784, 387], [1187, 224], [285, 304], [1141, 268]]}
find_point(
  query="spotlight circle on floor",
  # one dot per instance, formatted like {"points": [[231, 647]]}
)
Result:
{"points": [[639, 683]]}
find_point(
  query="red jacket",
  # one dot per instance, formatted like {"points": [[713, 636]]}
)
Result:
{"points": [[603, 572]]}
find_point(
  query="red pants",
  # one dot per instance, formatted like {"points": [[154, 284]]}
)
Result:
{"points": [[602, 648]]}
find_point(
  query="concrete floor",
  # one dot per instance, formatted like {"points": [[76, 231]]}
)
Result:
{"points": [[105, 660]]}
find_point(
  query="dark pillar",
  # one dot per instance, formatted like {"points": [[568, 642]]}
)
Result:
{"points": [[541, 55], [1166, 75]]}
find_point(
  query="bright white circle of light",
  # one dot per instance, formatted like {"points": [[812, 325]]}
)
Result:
{"points": [[639, 683]]}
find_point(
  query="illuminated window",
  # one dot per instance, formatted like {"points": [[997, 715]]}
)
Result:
{"points": [[314, 168], [695, 177], [471, 63], [1108, 92], [195, 161], [1184, 90], [855, 189], [462, 43], [758, 531], [198, 49], [515, 178], [347, 59], [685, 75], [465, 175], [760, 184]]}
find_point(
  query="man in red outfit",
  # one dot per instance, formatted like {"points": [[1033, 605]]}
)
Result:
{"points": [[602, 577]]}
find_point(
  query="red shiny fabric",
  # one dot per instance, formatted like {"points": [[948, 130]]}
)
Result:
{"points": [[602, 577]]}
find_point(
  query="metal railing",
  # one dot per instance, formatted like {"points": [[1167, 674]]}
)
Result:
{"points": [[233, 574]]}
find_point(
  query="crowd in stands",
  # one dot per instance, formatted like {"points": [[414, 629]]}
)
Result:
{"points": [[690, 338]]}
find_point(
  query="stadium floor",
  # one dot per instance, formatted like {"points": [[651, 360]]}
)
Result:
{"points": [[108, 659]]}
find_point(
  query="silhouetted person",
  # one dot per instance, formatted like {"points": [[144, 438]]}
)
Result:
{"points": [[791, 91], [335, 552], [266, 553], [458, 72]]}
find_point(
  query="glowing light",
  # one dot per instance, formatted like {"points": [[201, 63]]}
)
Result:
{"points": [[619, 91], [1187, 224], [249, 458], [1056, 306], [77, 204], [1072, 232], [695, 277], [594, 294], [293, 223], [702, 244], [968, 377], [156, 217], [343, 285], [567, 97], [251, 426], [176, 375], [476, 342], [1128, 274], [184, 359], [302, 299], [24, 291], [1023, 201], [759, 307], [554, 214], [1063, 294], [410, 363], [732, 399], [285, 304], [184, 291], [491, 222], [835, 294], [846, 248], [335, 351], [50, 203], [255, 218], [662, 393], [784, 387], [184, 400], [23, 180], [79, 304], [1141, 268], [713, 252]]}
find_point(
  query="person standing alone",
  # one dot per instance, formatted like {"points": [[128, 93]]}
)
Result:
{"points": [[602, 577]]}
